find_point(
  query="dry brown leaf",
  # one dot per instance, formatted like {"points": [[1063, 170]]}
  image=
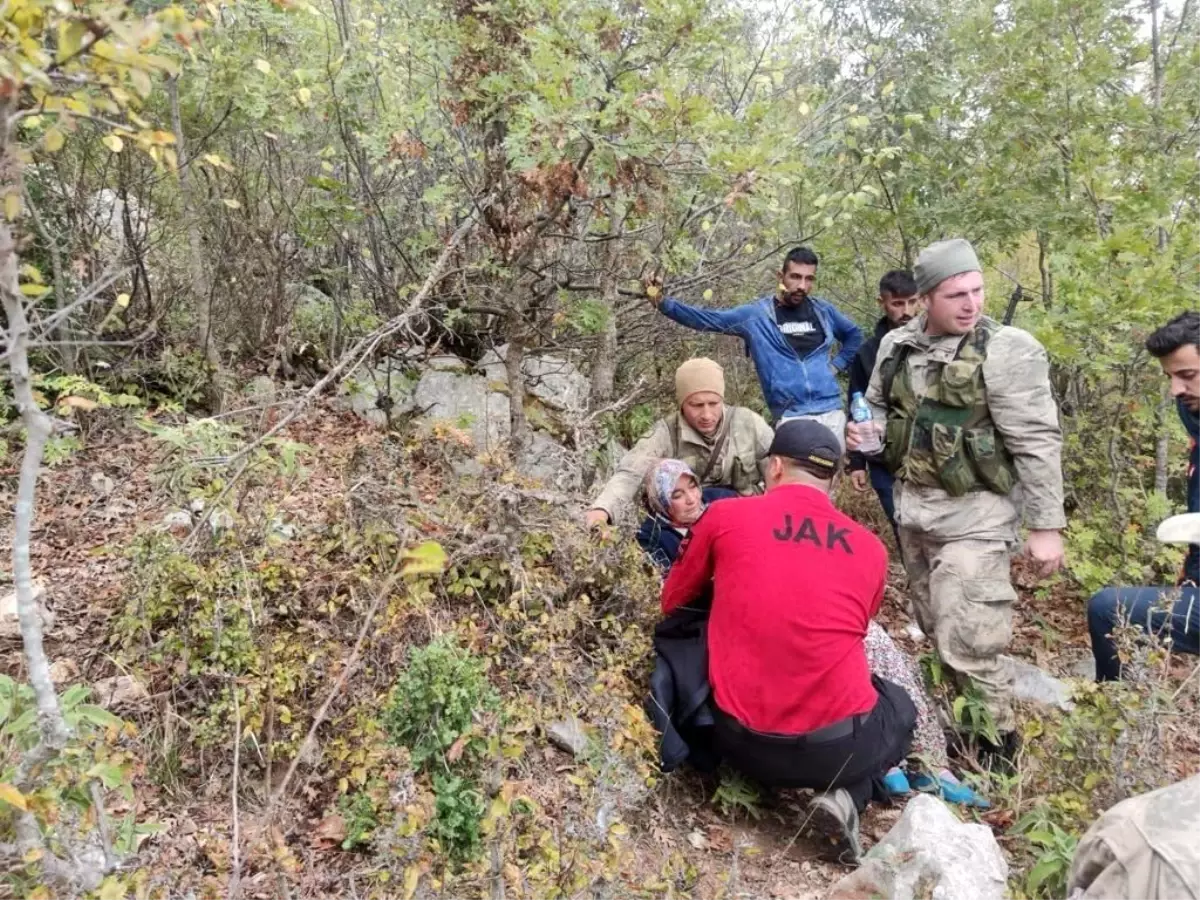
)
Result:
{"points": [[330, 832], [456, 750]]}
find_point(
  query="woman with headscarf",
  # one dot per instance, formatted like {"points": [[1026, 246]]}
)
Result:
{"points": [[672, 495]]}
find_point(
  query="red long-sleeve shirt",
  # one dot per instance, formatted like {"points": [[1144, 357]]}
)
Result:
{"points": [[795, 583]]}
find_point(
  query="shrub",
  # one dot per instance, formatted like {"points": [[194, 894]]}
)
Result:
{"points": [[435, 700]]}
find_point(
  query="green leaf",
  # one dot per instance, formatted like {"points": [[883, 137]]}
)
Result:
{"points": [[110, 775], [98, 715], [1046, 868], [20, 723], [73, 696]]}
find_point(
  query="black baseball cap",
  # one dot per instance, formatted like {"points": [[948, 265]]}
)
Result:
{"points": [[807, 441]]}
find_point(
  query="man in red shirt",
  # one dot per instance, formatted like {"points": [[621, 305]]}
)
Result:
{"points": [[795, 583]]}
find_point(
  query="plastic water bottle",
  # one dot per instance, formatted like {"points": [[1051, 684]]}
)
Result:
{"points": [[860, 411]]}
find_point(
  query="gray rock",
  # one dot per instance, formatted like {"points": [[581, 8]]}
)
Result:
{"points": [[368, 384], [466, 402], [929, 854], [261, 389], [278, 528], [178, 520], [1034, 685], [554, 380], [568, 734], [10, 623], [119, 690], [445, 363], [548, 462]]}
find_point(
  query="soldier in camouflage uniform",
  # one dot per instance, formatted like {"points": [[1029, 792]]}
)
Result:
{"points": [[1146, 847], [970, 431], [726, 446]]}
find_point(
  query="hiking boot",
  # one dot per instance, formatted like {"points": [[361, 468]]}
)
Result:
{"points": [[833, 815]]}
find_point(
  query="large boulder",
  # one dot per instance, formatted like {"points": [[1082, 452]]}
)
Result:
{"points": [[554, 380], [370, 388], [548, 462], [929, 854], [467, 402]]}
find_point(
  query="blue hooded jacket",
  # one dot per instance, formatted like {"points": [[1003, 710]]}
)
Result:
{"points": [[791, 385], [1191, 421]]}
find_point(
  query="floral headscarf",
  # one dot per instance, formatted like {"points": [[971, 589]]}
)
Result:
{"points": [[661, 482]]}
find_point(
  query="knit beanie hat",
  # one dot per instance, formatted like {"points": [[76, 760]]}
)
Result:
{"points": [[699, 374], [943, 260]]}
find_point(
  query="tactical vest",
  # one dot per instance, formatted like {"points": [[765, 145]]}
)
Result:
{"points": [[946, 438]]}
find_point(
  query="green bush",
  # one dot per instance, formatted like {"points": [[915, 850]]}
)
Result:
{"points": [[435, 700], [459, 817]]}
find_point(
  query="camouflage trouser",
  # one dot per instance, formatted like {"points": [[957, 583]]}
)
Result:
{"points": [[963, 599]]}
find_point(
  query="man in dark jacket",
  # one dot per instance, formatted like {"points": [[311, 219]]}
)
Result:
{"points": [[1171, 612], [898, 300]]}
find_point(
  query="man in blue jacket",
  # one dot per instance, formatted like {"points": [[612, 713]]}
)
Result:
{"points": [[790, 336], [1170, 612]]}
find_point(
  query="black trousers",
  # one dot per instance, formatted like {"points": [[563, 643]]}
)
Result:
{"points": [[856, 760]]}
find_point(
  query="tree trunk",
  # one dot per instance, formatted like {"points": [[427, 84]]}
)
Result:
{"points": [[516, 376], [1161, 446], [1044, 269], [197, 271], [604, 370]]}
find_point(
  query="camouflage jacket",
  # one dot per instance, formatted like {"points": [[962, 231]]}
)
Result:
{"points": [[1016, 376], [741, 466], [1146, 846]]}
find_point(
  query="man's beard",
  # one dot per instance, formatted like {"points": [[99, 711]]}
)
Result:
{"points": [[795, 298]]}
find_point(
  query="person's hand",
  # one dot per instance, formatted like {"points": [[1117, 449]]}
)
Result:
{"points": [[857, 432], [858, 478], [596, 518], [654, 289], [1045, 550]]}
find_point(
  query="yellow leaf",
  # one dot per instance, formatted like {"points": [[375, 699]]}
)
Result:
{"points": [[232, 204], [653, 291], [53, 140], [112, 888], [162, 137], [141, 82], [427, 558], [113, 143], [12, 796], [31, 273], [78, 403], [122, 300], [12, 206], [412, 876], [305, 95], [708, 294], [70, 38], [34, 290], [263, 66]]}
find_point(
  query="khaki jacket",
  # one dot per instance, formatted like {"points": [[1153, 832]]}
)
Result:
{"points": [[1144, 847], [1016, 376], [742, 465]]}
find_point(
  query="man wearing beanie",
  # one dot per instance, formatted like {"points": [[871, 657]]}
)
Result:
{"points": [[725, 445], [968, 417], [791, 336], [795, 583]]}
